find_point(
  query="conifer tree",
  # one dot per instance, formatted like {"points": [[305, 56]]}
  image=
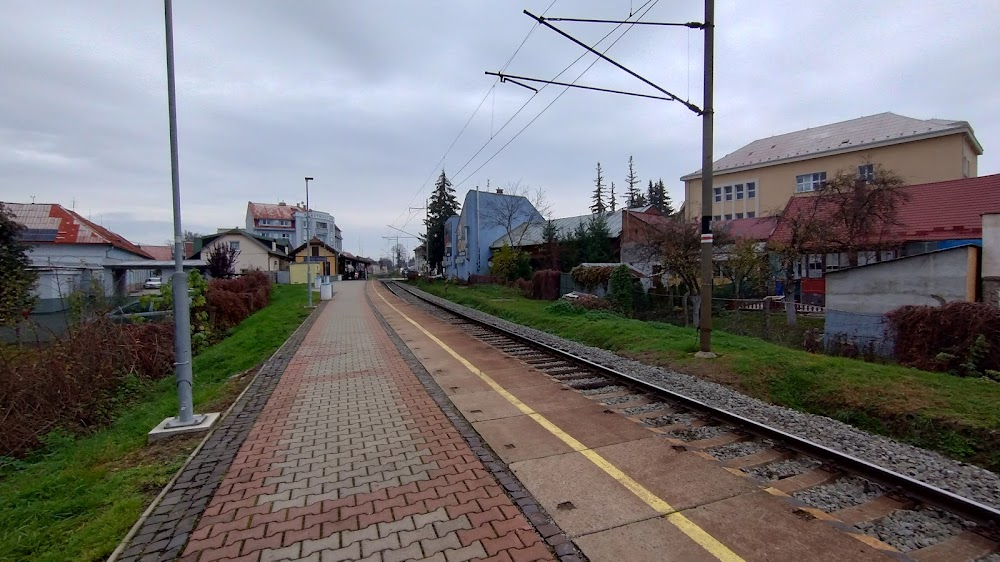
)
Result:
{"points": [[598, 205], [443, 205], [635, 197], [612, 205]]}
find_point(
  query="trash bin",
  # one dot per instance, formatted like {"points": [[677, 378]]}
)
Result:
{"points": [[326, 291]]}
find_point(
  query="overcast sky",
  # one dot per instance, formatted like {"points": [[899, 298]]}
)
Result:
{"points": [[367, 97]]}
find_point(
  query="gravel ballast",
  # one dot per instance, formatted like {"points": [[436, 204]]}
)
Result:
{"points": [[699, 433], [910, 530], [782, 469], [845, 492], [737, 450], [930, 467]]}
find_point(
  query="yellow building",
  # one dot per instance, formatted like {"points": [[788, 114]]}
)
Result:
{"points": [[758, 179], [321, 255]]}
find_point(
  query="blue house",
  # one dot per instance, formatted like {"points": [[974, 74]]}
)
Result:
{"points": [[485, 217]]}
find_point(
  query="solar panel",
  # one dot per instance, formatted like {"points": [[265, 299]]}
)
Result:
{"points": [[38, 235]]}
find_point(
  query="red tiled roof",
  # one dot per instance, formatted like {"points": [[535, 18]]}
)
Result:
{"points": [[946, 210], [159, 252], [271, 210], [68, 227], [759, 228]]}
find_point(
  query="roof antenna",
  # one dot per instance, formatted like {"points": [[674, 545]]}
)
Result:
{"points": [[32, 199]]}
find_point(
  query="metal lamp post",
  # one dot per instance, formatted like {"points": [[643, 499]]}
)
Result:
{"points": [[309, 287], [186, 421]]}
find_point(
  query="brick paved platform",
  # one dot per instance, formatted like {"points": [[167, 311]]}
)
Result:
{"points": [[351, 459]]}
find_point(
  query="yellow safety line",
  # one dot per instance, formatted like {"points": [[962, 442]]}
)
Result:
{"points": [[685, 525]]}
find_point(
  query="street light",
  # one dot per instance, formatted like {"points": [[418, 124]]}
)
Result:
{"points": [[186, 421], [309, 282]]}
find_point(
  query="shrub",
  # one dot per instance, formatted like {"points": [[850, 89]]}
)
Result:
{"points": [[545, 285], [76, 383], [510, 264], [524, 286], [960, 337], [564, 307], [620, 293], [591, 277], [590, 302]]}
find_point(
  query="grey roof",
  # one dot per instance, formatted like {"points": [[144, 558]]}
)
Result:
{"points": [[847, 136], [531, 234]]}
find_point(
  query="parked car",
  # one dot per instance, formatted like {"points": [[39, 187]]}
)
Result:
{"points": [[153, 283]]}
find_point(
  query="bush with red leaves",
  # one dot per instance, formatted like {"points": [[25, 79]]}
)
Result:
{"points": [[545, 284], [945, 338]]}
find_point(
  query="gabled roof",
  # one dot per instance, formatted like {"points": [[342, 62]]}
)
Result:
{"points": [[262, 241], [55, 224], [159, 252], [532, 233], [759, 228], [846, 136], [272, 210], [314, 242], [945, 210]]}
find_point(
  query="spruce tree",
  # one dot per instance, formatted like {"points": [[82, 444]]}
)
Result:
{"points": [[16, 276], [663, 199], [598, 205], [443, 205], [635, 198], [651, 198], [611, 200]]}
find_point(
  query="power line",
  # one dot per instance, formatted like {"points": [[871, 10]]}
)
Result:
{"points": [[525, 104], [469, 120], [565, 89]]}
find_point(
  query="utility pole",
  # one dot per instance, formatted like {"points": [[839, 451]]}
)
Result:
{"points": [[707, 133], [309, 283], [186, 421]]}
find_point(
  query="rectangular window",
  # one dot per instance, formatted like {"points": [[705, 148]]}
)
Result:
{"points": [[321, 225], [729, 192], [866, 172], [739, 191], [718, 194], [717, 218], [816, 265], [727, 216], [751, 214], [315, 251], [234, 244], [965, 167], [751, 189], [809, 182], [739, 215]]}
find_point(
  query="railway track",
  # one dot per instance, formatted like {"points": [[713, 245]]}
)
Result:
{"points": [[861, 497]]}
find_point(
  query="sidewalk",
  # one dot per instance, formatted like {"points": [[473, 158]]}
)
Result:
{"points": [[351, 459]]}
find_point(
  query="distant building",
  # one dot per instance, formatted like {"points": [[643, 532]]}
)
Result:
{"points": [[288, 222], [70, 253], [758, 179], [256, 252], [485, 217]]}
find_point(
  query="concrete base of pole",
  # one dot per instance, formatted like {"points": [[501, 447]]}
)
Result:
{"points": [[166, 429], [705, 355]]}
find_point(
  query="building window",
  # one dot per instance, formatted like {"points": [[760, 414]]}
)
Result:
{"points": [[751, 214], [965, 167], [284, 235], [729, 192], [816, 265], [718, 194], [234, 244], [866, 172], [717, 218], [727, 216], [739, 215], [321, 225], [809, 182], [751, 189], [315, 251], [739, 191]]}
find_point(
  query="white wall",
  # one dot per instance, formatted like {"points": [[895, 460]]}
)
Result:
{"points": [[991, 245]]}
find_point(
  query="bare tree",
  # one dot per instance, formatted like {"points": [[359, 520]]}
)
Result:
{"points": [[221, 260], [744, 265], [400, 255], [677, 245], [509, 213]]}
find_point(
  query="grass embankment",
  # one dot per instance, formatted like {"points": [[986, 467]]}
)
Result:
{"points": [[77, 497], [959, 417]]}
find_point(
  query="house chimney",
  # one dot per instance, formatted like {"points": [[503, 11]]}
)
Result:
{"points": [[500, 191], [281, 203]]}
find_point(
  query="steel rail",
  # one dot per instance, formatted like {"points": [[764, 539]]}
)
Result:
{"points": [[922, 491]]}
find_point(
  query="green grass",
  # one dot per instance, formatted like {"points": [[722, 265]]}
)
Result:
{"points": [[959, 417], [77, 497]]}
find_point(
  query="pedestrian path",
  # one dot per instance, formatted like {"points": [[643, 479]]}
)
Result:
{"points": [[351, 459]]}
